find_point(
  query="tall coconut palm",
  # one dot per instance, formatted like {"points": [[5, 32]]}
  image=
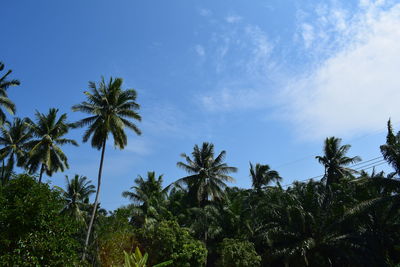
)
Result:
{"points": [[390, 183], [45, 151], [391, 150], [207, 179], [76, 195], [14, 139], [110, 108], [262, 175], [208, 175], [148, 198], [5, 102], [335, 160]]}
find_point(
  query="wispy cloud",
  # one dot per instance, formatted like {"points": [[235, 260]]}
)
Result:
{"points": [[205, 12], [200, 50], [233, 19], [242, 57], [139, 145], [166, 120], [355, 87], [346, 80]]}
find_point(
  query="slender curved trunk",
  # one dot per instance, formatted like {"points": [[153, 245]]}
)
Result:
{"points": [[3, 179], [41, 173], [10, 166], [96, 201]]}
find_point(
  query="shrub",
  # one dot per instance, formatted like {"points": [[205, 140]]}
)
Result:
{"points": [[32, 231], [168, 241], [234, 252]]}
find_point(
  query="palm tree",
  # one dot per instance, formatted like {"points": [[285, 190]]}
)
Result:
{"points": [[303, 231], [45, 151], [5, 102], [76, 195], [110, 108], [262, 175], [14, 138], [207, 177], [148, 197], [207, 174], [335, 160], [391, 150]]}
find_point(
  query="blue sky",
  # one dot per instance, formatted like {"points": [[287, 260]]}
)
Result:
{"points": [[266, 81]]}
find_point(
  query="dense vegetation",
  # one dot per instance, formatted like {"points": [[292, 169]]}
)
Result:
{"points": [[348, 218]]}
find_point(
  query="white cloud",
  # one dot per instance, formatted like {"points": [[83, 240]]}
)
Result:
{"points": [[205, 12], [242, 59], [138, 145], [355, 88], [308, 34], [164, 119], [200, 50], [233, 98], [348, 82], [233, 19]]}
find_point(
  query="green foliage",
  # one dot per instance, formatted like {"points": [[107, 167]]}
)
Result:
{"points": [[335, 160], [14, 138], [391, 150], [148, 199], [76, 197], [339, 221], [168, 241], [238, 253], [208, 175], [32, 231], [5, 102], [45, 150], [114, 235], [262, 175], [136, 259], [111, 109]]}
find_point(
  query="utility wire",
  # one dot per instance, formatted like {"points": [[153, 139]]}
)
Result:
{"points": [[365, 161], [370, 164], [359, 169]]}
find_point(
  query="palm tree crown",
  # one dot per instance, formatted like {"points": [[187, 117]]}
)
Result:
{"points": [[208, 174], [335, 160], [76, 195], [14, 138], [5, 102], [391, 150], [110, 108], [145, 190], [45, 150], [148, 197], [262, 175]]}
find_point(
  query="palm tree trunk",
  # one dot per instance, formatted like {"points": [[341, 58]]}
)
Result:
{"points": [[96, 201], [41, 173], [9, 168], [3, 179]]}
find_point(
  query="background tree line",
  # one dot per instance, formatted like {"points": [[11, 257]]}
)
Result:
{"points": [[348, 218]]}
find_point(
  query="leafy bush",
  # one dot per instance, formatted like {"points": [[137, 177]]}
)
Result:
{"points": [[32, 231], [234, 252], [168, 241], [114, 235]]}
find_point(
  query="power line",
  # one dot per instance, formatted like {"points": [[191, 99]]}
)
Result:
{"points": [[370, 164], [379, 131], [365, 161], [362, 168], [374, 166]]}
